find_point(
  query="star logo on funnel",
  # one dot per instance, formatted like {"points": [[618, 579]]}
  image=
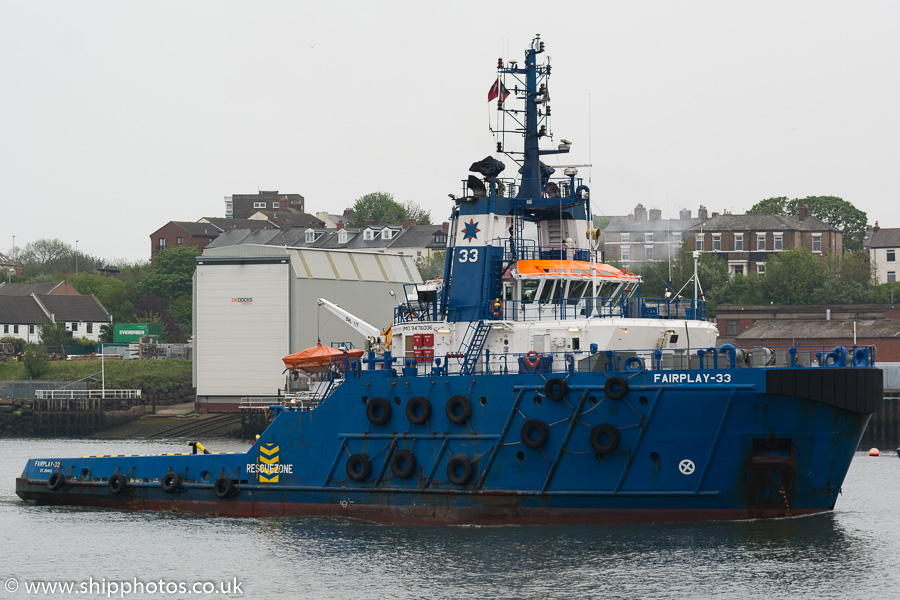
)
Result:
{"points": [[471, 230]]}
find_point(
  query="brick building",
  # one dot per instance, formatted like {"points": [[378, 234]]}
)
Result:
{"points": [[746, 242], [645, 236], [243, 206]]}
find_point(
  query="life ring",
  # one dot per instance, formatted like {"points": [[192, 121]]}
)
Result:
{"points": [[359, 467], [224, 487], [532, 358], [57, 481], [615, 388], [497, 308], [556, 388], [459, 469], [634, 364], [118, 483], [170, 482], [378, 411], [458, 410], [418, 410], [535, 433], [598, 434], [403, 464]]}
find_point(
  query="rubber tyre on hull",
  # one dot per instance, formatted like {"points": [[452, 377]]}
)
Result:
{"points": [[597, 435], [556, 388], [418, 410], [359, 467], [615, 388], [461, 416], [118, 483], [378, 411], [56, 482], [459, 469], [170, 482], [535, 426], [403, 464], [224, 487]]}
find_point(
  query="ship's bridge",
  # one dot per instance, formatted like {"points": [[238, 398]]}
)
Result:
{"points": [[535, 289]]}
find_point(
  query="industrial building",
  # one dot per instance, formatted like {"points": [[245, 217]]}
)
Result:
{"points": [[255, 304]]}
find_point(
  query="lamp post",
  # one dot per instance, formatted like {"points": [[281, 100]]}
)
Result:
{"points": [[76, 257]]}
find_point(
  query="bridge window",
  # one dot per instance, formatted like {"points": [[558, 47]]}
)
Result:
{"points": [[529, 290]]}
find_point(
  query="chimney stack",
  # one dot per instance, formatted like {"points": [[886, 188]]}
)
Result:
{"points": [[803, 212], [685, 214], [340, 225], [655, 214], [702, 214], [640, 213], [407, 223], [445, 226]]}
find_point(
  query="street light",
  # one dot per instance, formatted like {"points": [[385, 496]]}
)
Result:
{"points": [[76, 257]]}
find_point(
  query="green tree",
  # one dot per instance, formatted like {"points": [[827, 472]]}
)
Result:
{"points": [[432, 266], [53, 334], [117, 295], [839, 214], [792, 277], [414, 211], [36, 359], [380, 207], [770, 206]]}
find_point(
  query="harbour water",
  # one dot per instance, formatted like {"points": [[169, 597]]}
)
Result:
{"points": [[853, 552]]}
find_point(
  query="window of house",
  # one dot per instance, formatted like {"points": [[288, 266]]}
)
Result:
{"points": [[739, 242], [418, 255], [738, 269], [369, 235], [310, 236], [760, 268], [890, 255], [891, 276], [624, 237], [778, 238], [676, 237], [276, 205], [6, 329], [648, 252], [440, 239], [760, 241], [648, 237], [31, 329], [626, 253], [699, 243], [259, 205], [15, 329], [732, 327], [90, 328], [162, 242], [342, 236], [817, 242], [179, 241], [717, 241], [74, 326], [386, 234]]}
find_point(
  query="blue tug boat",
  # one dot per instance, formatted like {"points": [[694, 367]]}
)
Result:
{"points": [[531, 384]]}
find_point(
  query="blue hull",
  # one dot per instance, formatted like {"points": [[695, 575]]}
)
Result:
{"points": [[677, 446]]}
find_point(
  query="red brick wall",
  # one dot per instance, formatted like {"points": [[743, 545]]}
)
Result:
{"points": [[886, 349], [171, 232]]}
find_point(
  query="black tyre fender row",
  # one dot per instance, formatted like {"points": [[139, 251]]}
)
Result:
{"points": [[404, 464], [117, 483], [418, 410], [57, 481], [604, 438], [615, 388]]}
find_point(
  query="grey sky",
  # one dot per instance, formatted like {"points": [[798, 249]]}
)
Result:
{"points": [[121, 116]]}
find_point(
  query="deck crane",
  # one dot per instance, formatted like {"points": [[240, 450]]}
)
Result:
{"points": [[376, 339]]}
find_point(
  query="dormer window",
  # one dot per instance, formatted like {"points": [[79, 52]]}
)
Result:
{"points": [[259, 205], [368, 235], [343, 236], [310, 236], [440, 238], [386, 233]]}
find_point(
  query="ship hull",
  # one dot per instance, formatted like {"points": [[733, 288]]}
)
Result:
{"points": [[697, 445]]}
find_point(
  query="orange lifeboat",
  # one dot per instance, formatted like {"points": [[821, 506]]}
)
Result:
{"points": [[317, 358]]}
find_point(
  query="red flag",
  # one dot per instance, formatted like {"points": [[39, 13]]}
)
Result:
{"points": [[497, 89]]}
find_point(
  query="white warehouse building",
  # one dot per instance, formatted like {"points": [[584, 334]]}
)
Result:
{"points": [[255, 304]]}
